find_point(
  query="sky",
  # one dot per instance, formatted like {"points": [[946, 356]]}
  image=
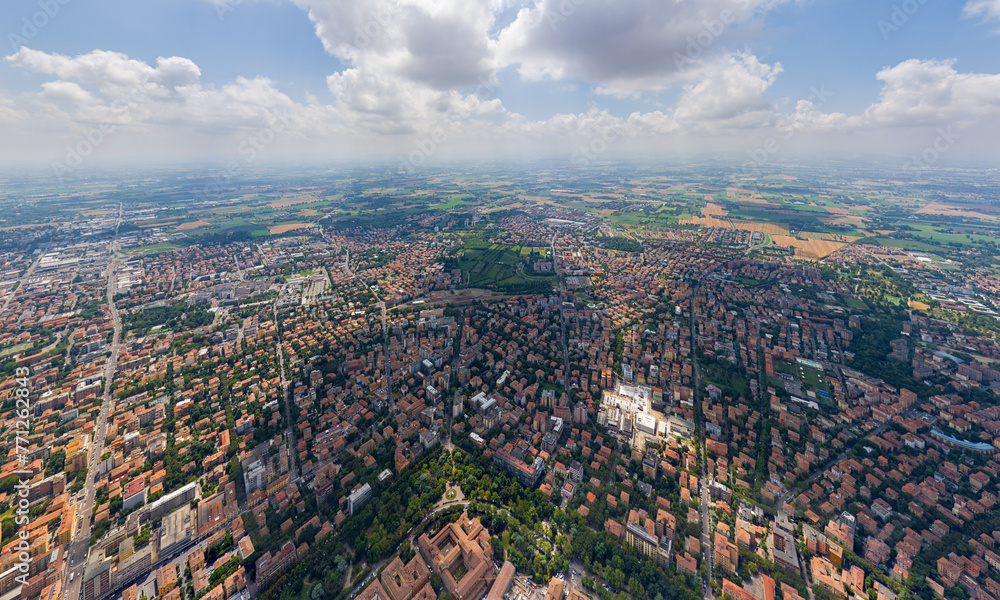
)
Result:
{"points": [[414, 82]]}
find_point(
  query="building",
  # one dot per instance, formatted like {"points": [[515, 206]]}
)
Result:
{"points": [[77, 454], [254, 476], [686, 564], [503, 582], [176, 531], [133, 567], [782, 547], [134, 494], [270, 567], [825, 574], [359, 498], [641, 540], [97, 576], [525, 474], [172, 500], [166, 579], [402, 582], [373, 592], [461, 554], [727, 555]]}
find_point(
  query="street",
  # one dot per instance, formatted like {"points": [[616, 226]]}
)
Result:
{"points": [[706, 526], [76, 552]]}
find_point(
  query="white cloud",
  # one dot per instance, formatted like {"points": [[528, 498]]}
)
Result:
{"points": [[987, 10], [732, 92], [67, 92], [113, 74], [412, 61], [388, 104], [626, 46], [919, 92], [161, 109], [164, 107], [443, 44]]}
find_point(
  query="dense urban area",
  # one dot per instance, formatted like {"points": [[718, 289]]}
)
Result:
{"points": [[501, 382]]}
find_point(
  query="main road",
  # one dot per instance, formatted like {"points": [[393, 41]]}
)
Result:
{"points": [[286, 393], [562, 316], [20, 284], [706, 526], [76, 551]]}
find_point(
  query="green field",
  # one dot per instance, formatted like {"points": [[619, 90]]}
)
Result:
{"points": [[808, 376], [855, 303], [813, 378], [453, 202], [499, 267], [902, 244], [936, 233], [152, 249], [15, 349]]}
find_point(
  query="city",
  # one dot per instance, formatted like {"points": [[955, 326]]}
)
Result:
{"points": [[499, 389], [500, 300]]}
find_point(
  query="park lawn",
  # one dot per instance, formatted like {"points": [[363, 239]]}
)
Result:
{"points": [[813, 378], [454, 202], [855, 303], [15, 349]]}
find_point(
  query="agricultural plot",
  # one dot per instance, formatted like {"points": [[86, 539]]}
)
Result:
{"points": [[946, 234], [808, 249]]}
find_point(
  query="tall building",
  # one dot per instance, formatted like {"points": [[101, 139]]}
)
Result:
{"points": [[641, 540], [254, 476], [359, 498]]}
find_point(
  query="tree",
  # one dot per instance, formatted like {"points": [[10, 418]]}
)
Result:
{"points": [[406, 551], [436, 582], [616, 579], [317, 592], [636, 588]]}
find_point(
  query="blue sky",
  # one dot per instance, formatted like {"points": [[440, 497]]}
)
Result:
{"points": [[495, 76]]}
